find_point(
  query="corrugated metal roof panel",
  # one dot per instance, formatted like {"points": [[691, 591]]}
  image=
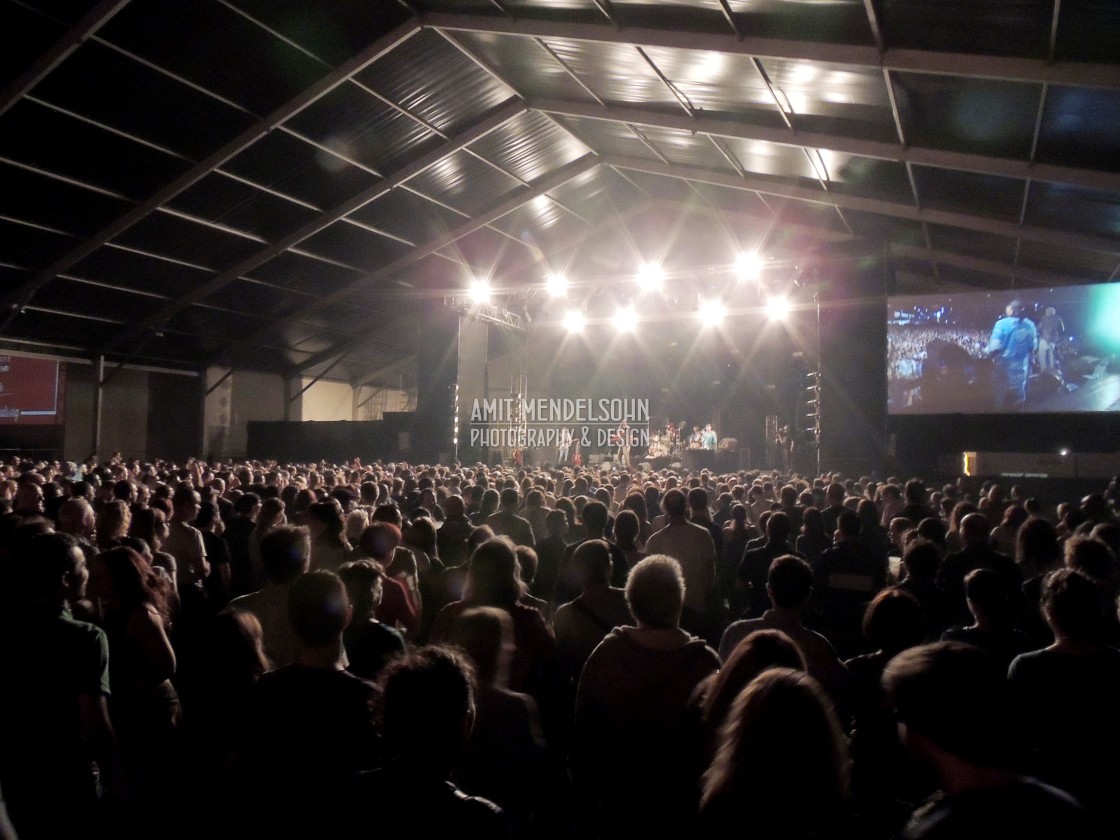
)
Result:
{"points": [[525, 62], [464, 183], [331, 30], [282, 162], [1080, 127], [104, 85], [971, 243], [607, 138], [245, 64], [999, 27], [434, 80], [355, 247], [967, 192], [362, 128], [1074, 209], [840, 21], [408, 216], [617, 73], [119, 267], [968, 115], [228, 201], [46, 138], [1087, 266], [180, 239], [530, 146], [34, 198]]}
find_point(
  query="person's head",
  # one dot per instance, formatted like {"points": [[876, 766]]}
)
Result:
{"points": [[1090, 556], [379, 541], [427, 707], [209, 517], [75, 516], [975, 529], [248, 504], [285, 553], [29, 500], [655, 592], [51, 567], [112, 521], [894, 621], [1015, 309], [781, 755], [508, 499], [595, 518], [914, 492], [675, 504], [755, 653], [789, 581], [121, 578], [834, 494], [325, 521], [1037, 543], [485, 634], [989, 597], [185, 503], [271, 513], [556, 522], [951, 698], [921, 559], [150, 525], [493, 577], [1071, 604], [933, 529], [527, 562], [812, 522], [848, 525], [627, 526], [698, 502], [592, 560], [234, 645], [319, 608], [362, 579], [778, 528]]}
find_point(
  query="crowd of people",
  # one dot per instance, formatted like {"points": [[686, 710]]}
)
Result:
{"points": [[558, 652]]}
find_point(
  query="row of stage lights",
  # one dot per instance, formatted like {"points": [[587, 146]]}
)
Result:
{"points": [[650, 279]]}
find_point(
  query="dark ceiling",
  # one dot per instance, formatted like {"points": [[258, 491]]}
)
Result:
{"points": [[293, 186]]}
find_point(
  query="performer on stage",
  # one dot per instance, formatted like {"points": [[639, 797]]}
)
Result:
{"points": [[786, 445], [696, 439], [623, 436], [565, 448], [708, 438]]}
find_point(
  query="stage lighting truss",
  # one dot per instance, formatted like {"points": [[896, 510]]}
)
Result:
{"points": [[489, 312]]}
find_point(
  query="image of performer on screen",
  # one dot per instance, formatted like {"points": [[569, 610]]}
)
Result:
{"points": [[708, 438], [1051, 329], [786, 445], [565, 449], [622, 435], [1013, 341]]}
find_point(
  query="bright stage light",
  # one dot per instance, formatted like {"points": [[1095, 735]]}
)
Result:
{"points": [[651, 276], [712, 312], [556, 285], [748, 266], [480, 291], [777, 308], [574, 321], [625, 320]]}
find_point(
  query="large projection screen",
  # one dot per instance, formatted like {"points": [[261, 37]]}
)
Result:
{"points": [[32, 391], [1021, 351]]}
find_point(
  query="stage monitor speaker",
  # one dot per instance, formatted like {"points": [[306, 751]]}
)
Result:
{"points": [[594, 459]]}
